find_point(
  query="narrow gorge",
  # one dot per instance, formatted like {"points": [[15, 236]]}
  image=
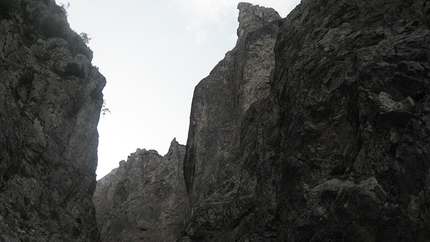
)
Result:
{"points": [[314, 127]]}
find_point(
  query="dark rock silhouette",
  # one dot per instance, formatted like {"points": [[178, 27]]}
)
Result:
{"points": [[50, 101]]}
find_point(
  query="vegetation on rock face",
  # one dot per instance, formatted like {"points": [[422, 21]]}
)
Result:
{"points": [[105, 109], [85, 37]]}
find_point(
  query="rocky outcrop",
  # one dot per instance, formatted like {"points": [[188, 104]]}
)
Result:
{"points": [[326, 141], [144, 199], [220, 163], [50, 101]]}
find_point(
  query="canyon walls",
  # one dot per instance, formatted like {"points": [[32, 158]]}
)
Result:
{"points": [[315, 127]]}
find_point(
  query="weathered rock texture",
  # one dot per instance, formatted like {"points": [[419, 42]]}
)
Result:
{"points": [[220, 167], [50, 101], [313, 128], [333, 145], [352, 84], [144, 199]]}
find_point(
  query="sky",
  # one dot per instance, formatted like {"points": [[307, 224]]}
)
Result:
{"points": [[153, 53]]}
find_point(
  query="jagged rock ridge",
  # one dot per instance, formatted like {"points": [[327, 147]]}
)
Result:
{"points": [[144, 199], [315, 127], [50, 101]]}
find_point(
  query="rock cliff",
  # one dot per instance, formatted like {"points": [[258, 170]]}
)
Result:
{"points": [[50, 101], [144, 199], [315, 127], [324, 137], [220, 164], [352, 81]]}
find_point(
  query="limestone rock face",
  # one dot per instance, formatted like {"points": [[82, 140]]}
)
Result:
{"points": [[325, 137], [144, 199], [219, 166], [50, 101]]}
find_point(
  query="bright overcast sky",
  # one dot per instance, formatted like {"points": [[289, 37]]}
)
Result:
{"points": [[153, 53]]}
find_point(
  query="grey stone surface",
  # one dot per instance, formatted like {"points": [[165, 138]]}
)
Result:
{"points": [[337, 146], [313, 128], [353, 87], [144, 199], [219, 166], [50, 101]]}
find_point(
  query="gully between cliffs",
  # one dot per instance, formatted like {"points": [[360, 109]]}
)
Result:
{"points": [[315, 127]]}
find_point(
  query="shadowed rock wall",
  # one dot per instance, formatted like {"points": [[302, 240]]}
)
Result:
{"points": [[336, 148], [50, 101], [352, 85]]}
